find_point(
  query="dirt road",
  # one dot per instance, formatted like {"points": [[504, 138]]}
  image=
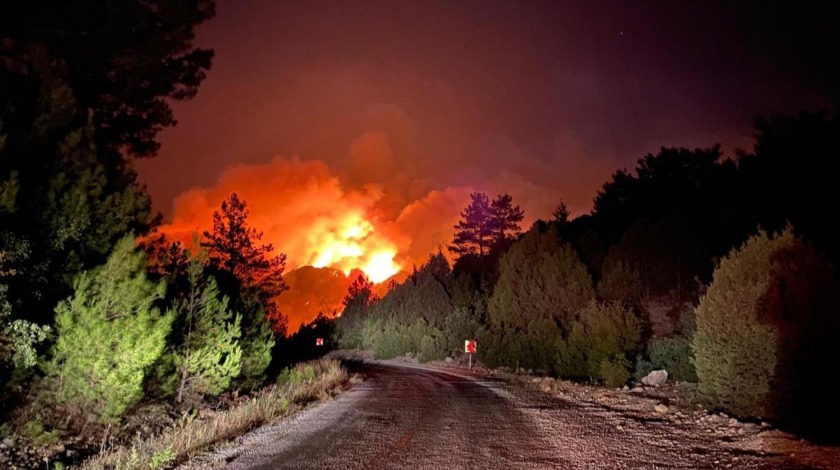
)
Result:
{"points": [[408, 417]]}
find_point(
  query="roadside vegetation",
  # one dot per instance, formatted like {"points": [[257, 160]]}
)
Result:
{"points": [[720, 271], [191, 434]]}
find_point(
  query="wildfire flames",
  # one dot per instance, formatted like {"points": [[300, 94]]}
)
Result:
{"points": [[332, 225], [304, 212]]}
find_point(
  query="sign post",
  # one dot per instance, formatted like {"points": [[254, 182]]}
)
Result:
{"points": [[470, 347]]}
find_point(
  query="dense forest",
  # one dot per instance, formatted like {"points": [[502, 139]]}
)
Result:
{"points": [[719, 269]]}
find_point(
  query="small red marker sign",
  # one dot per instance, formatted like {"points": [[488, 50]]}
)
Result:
{"points": [[470, 346], [319, 342]]}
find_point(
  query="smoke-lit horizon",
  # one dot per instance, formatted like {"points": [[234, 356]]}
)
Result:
{"points": [[355, 131]]}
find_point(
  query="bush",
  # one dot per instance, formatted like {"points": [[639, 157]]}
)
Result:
{"points": [[459, 326], [256, 343], [603, 331], [35, 432], [671, 354], [539, 277], [542, 284], [766, 329], [432, 346], [109, 334], [735, 353], [614, 371], [208, 356]]}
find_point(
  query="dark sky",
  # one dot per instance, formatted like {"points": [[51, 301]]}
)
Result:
{"points": [[558, 93], [540, 99]]}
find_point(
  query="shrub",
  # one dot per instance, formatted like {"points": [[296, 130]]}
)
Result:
{"points": [[35, 432], [541, 285], [602, 331], [539, 277], [109, 333], [614, 371], [766, 329], [460, 325], [256, 342], [208, 356], [735, 353], [432, 346], [162, 458], [671, 354]]}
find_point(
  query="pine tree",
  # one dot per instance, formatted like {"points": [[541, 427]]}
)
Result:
{"points": [[473, 232], [540, 277], [209, 355], [504, 220], [486, 225], [235, 247], [357, 302], [542, 284], [561, 213], [109, 333], [766, 329]]}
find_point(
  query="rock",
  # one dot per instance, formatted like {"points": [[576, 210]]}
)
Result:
{"points": [[733, 422], [656, 378], [661, 408], [449, 360], [637, 390], [625, 388], [765, 424], [8, 442]]}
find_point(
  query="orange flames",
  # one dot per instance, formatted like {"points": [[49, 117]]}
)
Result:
{"points": [[334, 227], [304, 212]]}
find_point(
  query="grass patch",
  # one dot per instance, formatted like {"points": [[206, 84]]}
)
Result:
{"points": [[311, 381]]}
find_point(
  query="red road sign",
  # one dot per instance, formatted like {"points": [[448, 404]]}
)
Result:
{"points": [[319, 342], [470, 346]]}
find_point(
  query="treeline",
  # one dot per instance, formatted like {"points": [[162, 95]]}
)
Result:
{"points": [[158, 322], [719, 270]]}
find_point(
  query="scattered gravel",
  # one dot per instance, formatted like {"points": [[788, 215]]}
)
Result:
{"points": [[417, 417]]}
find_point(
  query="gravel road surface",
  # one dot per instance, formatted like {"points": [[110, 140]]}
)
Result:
{"points": [[412, 417]]}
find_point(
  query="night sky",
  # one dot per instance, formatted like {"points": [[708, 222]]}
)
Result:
{"points": [[395, 111]]}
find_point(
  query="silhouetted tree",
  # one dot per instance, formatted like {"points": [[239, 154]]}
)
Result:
{"points": [[474, 232], [235, 247], [504, 221], [561, 213], [83, 86], [120, 63]]}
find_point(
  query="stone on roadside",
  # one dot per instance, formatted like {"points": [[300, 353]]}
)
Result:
{"points": [[449, 360], [625, 388], [661, 408], [656, 378]]}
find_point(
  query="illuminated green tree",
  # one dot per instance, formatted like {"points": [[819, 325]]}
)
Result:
{"points": [[109, 334]]}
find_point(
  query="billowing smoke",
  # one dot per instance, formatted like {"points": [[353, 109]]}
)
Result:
{"points": [[372, 217]]}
